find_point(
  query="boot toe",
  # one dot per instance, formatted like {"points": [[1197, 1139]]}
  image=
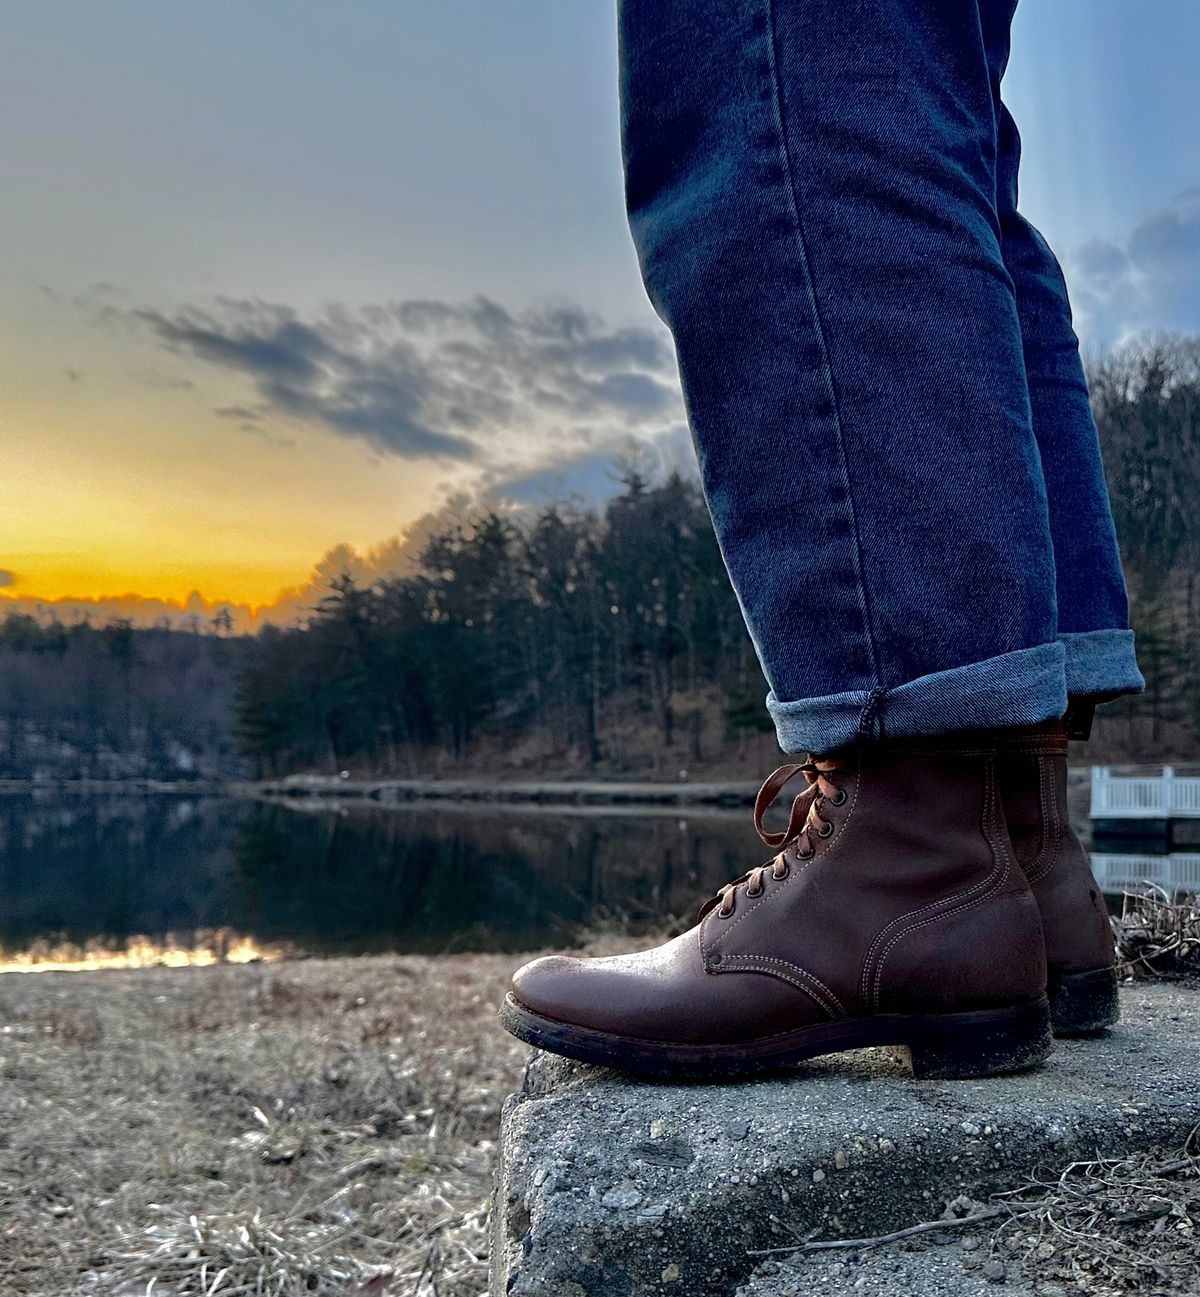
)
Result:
{"points": [[554, 987]]}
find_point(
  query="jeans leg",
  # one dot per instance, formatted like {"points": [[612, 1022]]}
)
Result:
{"points": [[811, 190], [1093, 613]]}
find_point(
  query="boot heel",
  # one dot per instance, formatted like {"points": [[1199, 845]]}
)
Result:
{"points": [[981, 1044], [1083, 1003]]}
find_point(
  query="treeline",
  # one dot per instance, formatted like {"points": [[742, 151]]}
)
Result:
{"points": [[1146, 397], [111, 702], [575, 639], [576, 636], [615, 637]]}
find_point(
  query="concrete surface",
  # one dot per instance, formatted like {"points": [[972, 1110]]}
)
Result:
{"points": [[610, 1187]]}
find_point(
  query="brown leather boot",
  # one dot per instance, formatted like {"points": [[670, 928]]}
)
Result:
{"points": [[1080, 955], [893, 914]]}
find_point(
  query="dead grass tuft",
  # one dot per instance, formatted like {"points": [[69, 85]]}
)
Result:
{"points": [[1158, 933], [1110, 1227]]}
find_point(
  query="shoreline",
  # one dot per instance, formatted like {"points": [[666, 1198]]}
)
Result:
{"points": [[389, 792]]}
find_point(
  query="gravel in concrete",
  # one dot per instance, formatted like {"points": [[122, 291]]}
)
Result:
{"points": [[611, 1187]]}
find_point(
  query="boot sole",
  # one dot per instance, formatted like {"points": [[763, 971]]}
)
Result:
{"points": [[935, 1045], [1082, 1004]]}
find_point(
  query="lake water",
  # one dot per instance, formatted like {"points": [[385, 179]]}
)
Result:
{"points": [[99, 870]]}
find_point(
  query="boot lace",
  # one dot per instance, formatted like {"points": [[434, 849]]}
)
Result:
{"points": [[804, 823]]}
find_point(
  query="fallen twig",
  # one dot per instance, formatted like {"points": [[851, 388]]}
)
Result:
{"points": [[1013, 1211]]}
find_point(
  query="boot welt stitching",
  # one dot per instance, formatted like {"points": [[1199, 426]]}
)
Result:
{"points": [[986, 818], [998, 851], [812, 986], [804, 864]]}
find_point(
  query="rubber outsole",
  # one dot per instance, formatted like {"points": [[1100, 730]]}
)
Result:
{"points": [[1082, 1004], [985, 1042]]}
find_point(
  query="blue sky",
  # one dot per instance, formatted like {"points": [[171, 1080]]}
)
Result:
{"points": [[173, 170]]}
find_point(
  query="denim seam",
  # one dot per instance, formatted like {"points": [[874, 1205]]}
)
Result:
{"points": [[785, 149], [1103, 659]]}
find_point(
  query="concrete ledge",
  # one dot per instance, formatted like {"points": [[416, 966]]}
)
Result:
{"points": [[609, 1187]]}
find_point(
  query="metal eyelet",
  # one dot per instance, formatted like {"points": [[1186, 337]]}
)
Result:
{"points": [[840, 799], [754, 895], [779, 875], [806, 855], [825, 830], [724, 913]]}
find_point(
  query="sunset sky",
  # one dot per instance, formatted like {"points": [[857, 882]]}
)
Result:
{"points": [[289, 275]]}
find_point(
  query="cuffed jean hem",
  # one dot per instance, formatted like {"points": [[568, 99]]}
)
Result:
{"points": [[1101, 662], [1018, 688]]}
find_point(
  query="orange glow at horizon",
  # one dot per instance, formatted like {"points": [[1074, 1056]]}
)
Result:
{"points": [[67, 578], [113, 491], [203, 950]]}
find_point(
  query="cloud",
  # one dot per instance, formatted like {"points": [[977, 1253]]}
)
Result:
{"points": [[7, 578], [594, 474], [1148, 280], [464, 382], [166, 382], [248, 413], [396, 556]]}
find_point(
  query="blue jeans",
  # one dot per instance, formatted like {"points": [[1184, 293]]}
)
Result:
{"points": [[877, 358]]}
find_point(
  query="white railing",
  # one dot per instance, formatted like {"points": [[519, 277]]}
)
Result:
{"points": [[1144, 797], [1180, 870]]}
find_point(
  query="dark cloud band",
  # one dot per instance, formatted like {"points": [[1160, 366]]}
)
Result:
{"points": [[429, 379]]}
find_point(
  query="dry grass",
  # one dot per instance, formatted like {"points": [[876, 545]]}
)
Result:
{"points": [[1158, 933], [315, 1127]]}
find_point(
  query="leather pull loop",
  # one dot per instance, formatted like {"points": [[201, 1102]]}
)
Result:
{"points": [[1077, 723]]}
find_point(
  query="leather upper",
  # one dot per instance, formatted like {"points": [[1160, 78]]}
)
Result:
{"points": [[1075, 922], [913, 902]]}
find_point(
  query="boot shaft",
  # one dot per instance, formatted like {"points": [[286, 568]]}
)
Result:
{"points": [[1033, 785], [916, 877]]}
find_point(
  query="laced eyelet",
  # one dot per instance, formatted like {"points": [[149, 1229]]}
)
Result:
{"points": [[754, 895], [840, 799], [806, 855], [825, 830], [779, 874], [724, 913]]}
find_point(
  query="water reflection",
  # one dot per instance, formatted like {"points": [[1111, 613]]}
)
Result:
{"points": [[93, 869], [1173, 871], [354, 878]]}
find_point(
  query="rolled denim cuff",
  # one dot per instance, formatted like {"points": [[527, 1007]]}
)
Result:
{"points": [[1018, 688], [1101, 662]]}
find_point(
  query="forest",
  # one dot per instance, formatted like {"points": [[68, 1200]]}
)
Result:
{"points": [[569, 640]]}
